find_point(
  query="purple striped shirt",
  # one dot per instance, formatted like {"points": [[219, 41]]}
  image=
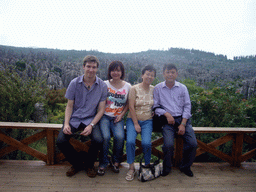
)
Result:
{"points": [[175, 101], [85, 101]]}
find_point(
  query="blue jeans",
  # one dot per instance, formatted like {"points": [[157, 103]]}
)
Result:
{"points": [[107, 126], [189, 146], [72, 156], [146, 132]]}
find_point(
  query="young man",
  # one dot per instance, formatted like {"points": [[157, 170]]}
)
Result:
{"points": [[173, 98], [86, 96]]}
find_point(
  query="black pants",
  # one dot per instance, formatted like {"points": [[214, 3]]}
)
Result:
{"points": [[73, 157], [189, 147]]}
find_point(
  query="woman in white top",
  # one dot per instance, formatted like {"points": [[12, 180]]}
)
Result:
{"points": [[112, 120]]}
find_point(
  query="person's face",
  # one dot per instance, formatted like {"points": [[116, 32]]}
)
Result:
{"points": [[116, 74], [170, 75], [90, 69], [148, 77]]}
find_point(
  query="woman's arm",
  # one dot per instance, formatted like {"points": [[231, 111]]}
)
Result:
{"points": [[125, 109], [132, 110]]}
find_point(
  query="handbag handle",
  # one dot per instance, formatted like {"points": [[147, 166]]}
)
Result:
{"points": [[160, 106]]}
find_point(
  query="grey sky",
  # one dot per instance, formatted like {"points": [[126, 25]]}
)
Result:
{"points": [[218, 26]]}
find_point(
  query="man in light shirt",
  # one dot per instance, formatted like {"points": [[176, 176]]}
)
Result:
{"points": [[86, 96], [173, 101]]}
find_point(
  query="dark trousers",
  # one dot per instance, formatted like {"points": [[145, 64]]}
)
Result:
{"points": [[189, 145], [72, 156]]}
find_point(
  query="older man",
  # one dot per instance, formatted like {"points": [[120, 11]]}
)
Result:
{"points": [[172, 100]]}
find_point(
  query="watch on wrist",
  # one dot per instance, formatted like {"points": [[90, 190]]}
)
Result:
{"points": [[92, 125], [183, 124]]}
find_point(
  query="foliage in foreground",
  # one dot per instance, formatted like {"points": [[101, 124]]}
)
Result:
{"points": [[18, 96], [223, 107]]}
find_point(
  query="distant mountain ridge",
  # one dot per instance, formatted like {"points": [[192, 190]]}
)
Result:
{"points": [[59, 67]]}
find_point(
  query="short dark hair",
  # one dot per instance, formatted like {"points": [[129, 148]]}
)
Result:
{"points": [[148, 68], [169, 67], [114, 65], [91, 58]]}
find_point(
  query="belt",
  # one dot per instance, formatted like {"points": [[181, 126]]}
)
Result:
{"points": [[176, 117]]}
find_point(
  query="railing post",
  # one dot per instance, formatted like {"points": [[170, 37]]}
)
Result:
{"points": [[50, 147], [237, 149], [178, 151]]}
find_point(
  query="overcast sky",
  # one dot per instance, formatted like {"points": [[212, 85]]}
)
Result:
{"points": [[225, 27]]}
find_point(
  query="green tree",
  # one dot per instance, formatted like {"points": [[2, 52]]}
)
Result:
{"points": [[18, 96], [222, 107], [56, 104], [192, 87], [20, 65]]}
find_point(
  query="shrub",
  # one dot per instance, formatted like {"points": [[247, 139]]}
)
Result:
{"points": [[18, 96], [20, 65], [56, 104], [53, 97], [222, 107]]}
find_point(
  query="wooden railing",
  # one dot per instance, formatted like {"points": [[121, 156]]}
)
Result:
{"points": [[239, 136]]}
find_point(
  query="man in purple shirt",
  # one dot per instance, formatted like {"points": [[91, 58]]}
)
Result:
{"points": [[86, 96], [172, 100]]}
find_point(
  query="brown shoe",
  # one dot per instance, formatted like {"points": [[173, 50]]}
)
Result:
{"points": [[72, 171], [91, 172]]}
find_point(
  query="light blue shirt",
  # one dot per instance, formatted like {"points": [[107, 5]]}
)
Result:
{"points": [[85, 101], [175, 101]]}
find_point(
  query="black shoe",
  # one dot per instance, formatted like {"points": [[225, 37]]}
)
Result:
{"points": [[72, 171], [101, 171], [91, 172], [165, 173], [187, 171], [115, 169]]}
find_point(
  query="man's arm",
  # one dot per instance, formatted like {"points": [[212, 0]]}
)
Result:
{"points": [[68, 113], [169, 118], [187, 105], [156, 98], [101, 110], [182, 127], [186, 113]]}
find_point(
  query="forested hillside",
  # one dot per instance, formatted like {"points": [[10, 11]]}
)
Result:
{"points": [[58, 67]]}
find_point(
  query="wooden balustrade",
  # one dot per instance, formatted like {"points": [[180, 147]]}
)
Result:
{"points": [[239, 136]]}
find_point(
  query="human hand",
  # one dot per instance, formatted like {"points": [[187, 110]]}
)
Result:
{"points": [[137, 128], [87, 131], [118, 118], [169, 118], [181, 130], [67, 130]]}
